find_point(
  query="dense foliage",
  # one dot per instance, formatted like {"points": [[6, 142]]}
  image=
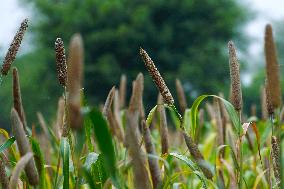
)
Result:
{"points": [[183, 36]]}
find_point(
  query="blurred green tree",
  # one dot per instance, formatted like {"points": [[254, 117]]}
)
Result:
{"points": [[186, 39]]}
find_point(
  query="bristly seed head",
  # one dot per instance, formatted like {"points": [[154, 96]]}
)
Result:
{"points": [[235, 77], [61, 65], [14, 47], [157, 78], [276, 158], [272, 68]]}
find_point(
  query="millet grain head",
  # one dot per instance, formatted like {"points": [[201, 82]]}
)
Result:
{"points": [[157, 78], [61, 65], [272, 68], [14, 47], [236, 97]]}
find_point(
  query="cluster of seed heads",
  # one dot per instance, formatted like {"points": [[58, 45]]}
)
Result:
{"points": [[14, 47], [61, 65]]}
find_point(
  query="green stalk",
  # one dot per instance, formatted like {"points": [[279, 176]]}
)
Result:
{"points": [[241, 152]]}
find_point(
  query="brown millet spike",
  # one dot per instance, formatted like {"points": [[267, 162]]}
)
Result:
{"points": [[264, 113], [74, 82], [122, 90], [61, 65], [276, 158], [14, 47], [108, 102], [235, 77], [153, 162], [163, 127], [157, 78], [137, 93], [17, 99], [196, 154], [181, 96], [269, 106], [141, 177], [272, 68], [24, 147]]}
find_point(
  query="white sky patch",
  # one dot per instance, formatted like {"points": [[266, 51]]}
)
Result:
{"points": [[11, 16]]}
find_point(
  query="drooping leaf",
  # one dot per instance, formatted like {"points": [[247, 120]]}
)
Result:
{"points": [[150, 116], [105, 144], [175, 115], [229, 107]]}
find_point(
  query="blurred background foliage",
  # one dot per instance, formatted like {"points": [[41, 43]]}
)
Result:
{"points": [[186, 39]]}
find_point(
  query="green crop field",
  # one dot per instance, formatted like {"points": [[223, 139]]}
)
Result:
{"points": [[208, 144]]}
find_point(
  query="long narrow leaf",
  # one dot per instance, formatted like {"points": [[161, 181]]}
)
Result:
{"points": [[229, 107], [39, 160], [105, 144], [65, 152]]}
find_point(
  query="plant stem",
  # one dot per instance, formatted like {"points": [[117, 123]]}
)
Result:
{"points": [[240, 152]]}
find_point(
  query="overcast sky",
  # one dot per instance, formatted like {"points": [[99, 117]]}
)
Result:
{"points": [[11, 14]]}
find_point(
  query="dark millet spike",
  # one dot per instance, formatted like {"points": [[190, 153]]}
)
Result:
{"points": [[157, 78], [61, 65], [14, 47]]}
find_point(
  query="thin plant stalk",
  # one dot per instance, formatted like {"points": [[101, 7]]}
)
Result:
{"points": [[168, 99], [240, 152]]}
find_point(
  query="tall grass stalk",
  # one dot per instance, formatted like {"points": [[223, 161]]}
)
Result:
{"points": [[236, 98], [168, 99]]}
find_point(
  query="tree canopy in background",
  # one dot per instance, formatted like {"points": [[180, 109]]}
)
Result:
{"points": [[186, 39]]}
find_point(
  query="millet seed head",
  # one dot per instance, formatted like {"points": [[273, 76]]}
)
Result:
{"points": [[157, 78], [14, 47], [61, 65], [236, 97]]}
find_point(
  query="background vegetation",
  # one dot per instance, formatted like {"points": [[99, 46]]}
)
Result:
{"points": [[183, 36]]}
